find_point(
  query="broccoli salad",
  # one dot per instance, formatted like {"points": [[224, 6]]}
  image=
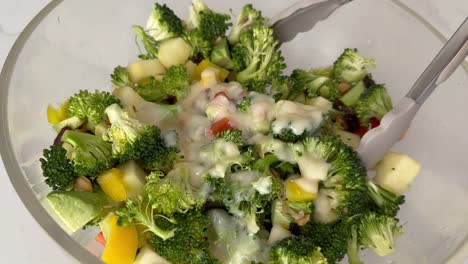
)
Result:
{"points": [[204, 151]]}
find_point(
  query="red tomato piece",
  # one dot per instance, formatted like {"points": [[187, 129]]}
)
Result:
{"points": [[361, 131], [101, 239], [220, 126], [221, 94], [374, 122]]}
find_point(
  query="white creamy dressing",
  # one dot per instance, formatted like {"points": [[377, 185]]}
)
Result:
{"points": [[205, 106], [297, 117], [218, 156]]}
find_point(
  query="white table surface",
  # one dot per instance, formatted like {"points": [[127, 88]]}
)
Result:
{"points": [[22, 239]]}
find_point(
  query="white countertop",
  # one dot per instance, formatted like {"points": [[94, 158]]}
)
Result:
{"points": [[23, 241]]}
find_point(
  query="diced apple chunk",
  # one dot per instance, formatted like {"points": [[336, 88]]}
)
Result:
{"points": [[133, 178], [396, 172], [140, 70], [174, 51], [148, 256], [210, 77], [278, 233], [323, 211]]}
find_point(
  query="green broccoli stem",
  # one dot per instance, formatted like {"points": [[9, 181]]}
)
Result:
{"points": [[352, 96], [77, 139], [153, 228], [353, 248]]}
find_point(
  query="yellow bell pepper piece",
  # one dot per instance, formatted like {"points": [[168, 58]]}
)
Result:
{"points": [[121, 242], [295, 193], [55, 115], [111, 182], [205, 64]]}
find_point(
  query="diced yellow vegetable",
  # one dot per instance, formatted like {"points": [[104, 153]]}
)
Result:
{"points": [[111, 182], [55, 115], [295, 193], [121, 242], [174, 51], [209, 77], [140, 70], [396, 172], [223, 73]]}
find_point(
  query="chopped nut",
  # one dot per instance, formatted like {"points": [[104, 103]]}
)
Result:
{"points": [[341, 122], [83, 184], [344, 87], [304, 220]]}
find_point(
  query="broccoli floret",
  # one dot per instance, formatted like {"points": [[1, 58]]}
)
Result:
{"points": [[120, 77], [198, 43], [297, 250], [246, 194], [283, 88], [139, 211], [331, 238], [260, 55], [190, 243], [91, 106], [270, 164], [174, 84], [164, 161], [152, 90], [231, 243], [285, 212], [247, 18], [265, 164], [176, 81], [89, 154], [346, 182], [212, 25], [221, 55], [175, 192], [150, 45], [133, 140], [232, 135], [244, 104], [374, 102], [346, 171], [57, 169], [239, 55], [163, 23], [287, 135], [353, 248], [220, 156], [346, 202], [386, 202], [325, 72], [259, 86], [351, 66], [378, 232], [315, 85]]}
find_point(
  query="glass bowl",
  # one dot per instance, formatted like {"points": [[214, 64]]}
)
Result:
{"points": [[75, 44]]}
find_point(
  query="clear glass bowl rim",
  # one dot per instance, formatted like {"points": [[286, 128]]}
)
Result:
{"points": [[11, 165]]}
